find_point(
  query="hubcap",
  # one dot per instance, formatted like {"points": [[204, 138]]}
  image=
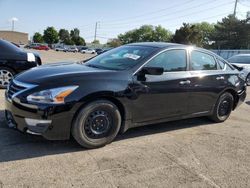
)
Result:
{"points": [[5, 78], [98, 124], [224, 108]]}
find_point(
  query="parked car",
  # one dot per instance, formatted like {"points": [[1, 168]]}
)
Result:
{"points": [[72, 49], [129, 86], [88, 51], [242, 61], [14, 60], [104, 50], [41, 47], [61, 49], [32, 45], [98, 51]]}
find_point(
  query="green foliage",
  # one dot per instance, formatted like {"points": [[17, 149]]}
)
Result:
{"points": [[38, 38], [146, 33], [114, 43], [75, 37], [50, 35], [65, 37], [232, 33], [196, 34], [96, 42]]}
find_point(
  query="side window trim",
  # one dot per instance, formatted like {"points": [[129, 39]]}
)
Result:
{"points": [[197, 50]]}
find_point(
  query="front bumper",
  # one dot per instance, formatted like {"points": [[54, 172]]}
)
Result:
{"points": [[52, 122]]}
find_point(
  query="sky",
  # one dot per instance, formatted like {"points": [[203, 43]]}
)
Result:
{"points": [[113, 16]]}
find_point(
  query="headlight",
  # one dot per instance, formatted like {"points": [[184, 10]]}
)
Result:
{"points": [[52, 96]]}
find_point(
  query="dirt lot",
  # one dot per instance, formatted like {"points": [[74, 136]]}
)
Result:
{"points": [[52, 56], [189, 153]]}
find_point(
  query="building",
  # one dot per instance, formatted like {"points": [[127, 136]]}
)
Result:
{"points": [[15, 37]]}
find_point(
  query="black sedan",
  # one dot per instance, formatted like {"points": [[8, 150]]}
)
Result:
{"points": [[129, 86], [14, 60]]}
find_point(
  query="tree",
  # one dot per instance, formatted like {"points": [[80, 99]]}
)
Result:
{"points": [[188, 34], [96, 42], [206, 30], [50, 35], [38, 38], [114, 43], [75, 37], [232, 33], [146, 33], [64, 36]]}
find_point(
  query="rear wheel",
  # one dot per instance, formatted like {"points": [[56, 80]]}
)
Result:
{"points": [[223, 108], [6, 75], [248, 79], [97, 124]]}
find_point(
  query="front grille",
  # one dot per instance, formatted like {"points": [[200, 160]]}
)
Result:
{"points": [[13, 89]]}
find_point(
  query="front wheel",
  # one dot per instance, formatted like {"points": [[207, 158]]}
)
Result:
{"points": [[223, 108], [6, 75], [97, 124]]}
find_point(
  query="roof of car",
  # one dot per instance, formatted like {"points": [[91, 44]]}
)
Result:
{"points": [[241, 55], [157, 44]]}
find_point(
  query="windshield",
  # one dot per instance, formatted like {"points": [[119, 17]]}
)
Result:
{"points": [[240, 59], [121, 58]]}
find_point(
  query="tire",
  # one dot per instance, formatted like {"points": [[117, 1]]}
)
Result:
{"points": [[248, 79], [97, 124], [223, 108], [6, 75]]}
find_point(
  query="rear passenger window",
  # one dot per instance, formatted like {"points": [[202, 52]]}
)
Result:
{"points": [[202, 61]]}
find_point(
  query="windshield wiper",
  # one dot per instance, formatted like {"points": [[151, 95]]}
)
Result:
{"points": [[93, 66]]}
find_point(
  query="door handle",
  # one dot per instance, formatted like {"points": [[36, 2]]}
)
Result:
{"points": [[185, 82], [220, 78]]}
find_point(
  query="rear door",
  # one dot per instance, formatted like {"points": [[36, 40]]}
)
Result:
{"points": [[207, 81]]}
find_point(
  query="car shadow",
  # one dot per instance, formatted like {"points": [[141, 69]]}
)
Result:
{"points": [[15, 145], [248, 102]]}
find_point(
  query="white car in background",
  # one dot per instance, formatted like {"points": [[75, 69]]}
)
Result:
{"points": [[61, 49], [242, 63], [88, 51], [72, 49]]}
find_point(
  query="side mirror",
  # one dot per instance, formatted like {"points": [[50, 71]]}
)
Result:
{"points": [[149, 71], [152, 70]]}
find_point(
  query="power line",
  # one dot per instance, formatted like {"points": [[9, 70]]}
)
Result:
{"points": [[169, 19], [146, 14], [159, 18], [195, 21]]}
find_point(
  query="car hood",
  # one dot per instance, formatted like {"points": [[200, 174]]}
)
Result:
{"points": [[247, 66], [57, 71]]}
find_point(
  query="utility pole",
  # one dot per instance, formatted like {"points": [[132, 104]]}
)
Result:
{"points": [[235, 7], [13, 24], [96, 25]]}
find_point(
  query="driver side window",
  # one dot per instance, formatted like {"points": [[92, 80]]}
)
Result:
{"points": [[171, 61]]}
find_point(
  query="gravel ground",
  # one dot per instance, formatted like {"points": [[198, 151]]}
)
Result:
{"points": [[189, 153], [53, 56]]}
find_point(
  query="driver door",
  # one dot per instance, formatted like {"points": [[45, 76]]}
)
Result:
{"points": [[164, 96]]}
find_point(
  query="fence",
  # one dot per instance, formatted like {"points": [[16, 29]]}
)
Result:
{"points": [[229, 53]]}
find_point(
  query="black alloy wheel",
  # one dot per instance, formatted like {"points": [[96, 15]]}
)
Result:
{"points": [[248, 79], [223, 108]]}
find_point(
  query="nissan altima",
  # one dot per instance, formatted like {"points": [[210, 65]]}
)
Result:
{"points": [[129, 86]]}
